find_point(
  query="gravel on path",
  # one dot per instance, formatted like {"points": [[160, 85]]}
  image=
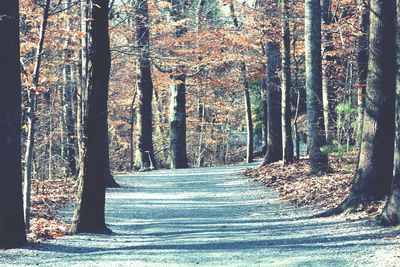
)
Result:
{"points": [[211, 217]]}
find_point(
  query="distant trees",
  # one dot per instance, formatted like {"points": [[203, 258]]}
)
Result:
{"points": [[12, 230], [89, 212]]}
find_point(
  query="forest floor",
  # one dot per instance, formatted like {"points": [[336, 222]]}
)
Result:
{"points": [[211, 217], [48, 197], [319, 191]]}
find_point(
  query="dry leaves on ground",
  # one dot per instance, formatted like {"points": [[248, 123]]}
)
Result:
{"points": [[319, 191], [48, 197]]}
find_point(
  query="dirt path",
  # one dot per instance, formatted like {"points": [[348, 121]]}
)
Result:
{"points": [[211, 217]]}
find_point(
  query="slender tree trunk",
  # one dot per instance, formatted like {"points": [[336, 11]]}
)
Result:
{"points": [[31, 117], [249, 118], [89, 212], [362, 62], [391, 212], [328, 96], [145, 88], [274, 119], [67, 99], [287, 141], [375, 167], [247, 98], [315, 118], [12, 230]]}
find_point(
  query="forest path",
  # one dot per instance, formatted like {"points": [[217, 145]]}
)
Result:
{"points": [[210, 217]]}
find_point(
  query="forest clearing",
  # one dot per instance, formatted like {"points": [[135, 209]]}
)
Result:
{"points": [[129, 128]]}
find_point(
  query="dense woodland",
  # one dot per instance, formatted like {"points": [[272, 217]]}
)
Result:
{"points": [[89, 88]]}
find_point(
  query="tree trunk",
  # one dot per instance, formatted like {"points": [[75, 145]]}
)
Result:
{"points": [[178, 123], [274, 119], [249, 118], [89, 212], [375, 167], [315, 118], [12, 230], [67, 99], [362, 62], [178, 100], [145, 88], [328, 96], [31, 117], [287, 141], [391, 213]]}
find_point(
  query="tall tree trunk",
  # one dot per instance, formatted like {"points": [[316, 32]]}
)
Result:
{"points": [[375, 167], [145, 88], [391, 212], [31, 117], [315, 118], [12, 230], [328, 96], [287, 141], [274, 119], [89, 212], [362, 62], [67, 99], [178, 100]]}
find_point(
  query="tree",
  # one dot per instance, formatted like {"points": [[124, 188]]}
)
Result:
{"points": [[391, 211], [89, 212], [374, 171], [12, 230], [178, 98], [273, 100], [287, 141], [145, 87], [315, 120], [328, 96]]}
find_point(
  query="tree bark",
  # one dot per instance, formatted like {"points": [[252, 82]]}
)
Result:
{"points": [[89, 212], [315, 118], [145, 88], [375, 167], [391, 213], [274, 120], [287, 141], [12, 230]]}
